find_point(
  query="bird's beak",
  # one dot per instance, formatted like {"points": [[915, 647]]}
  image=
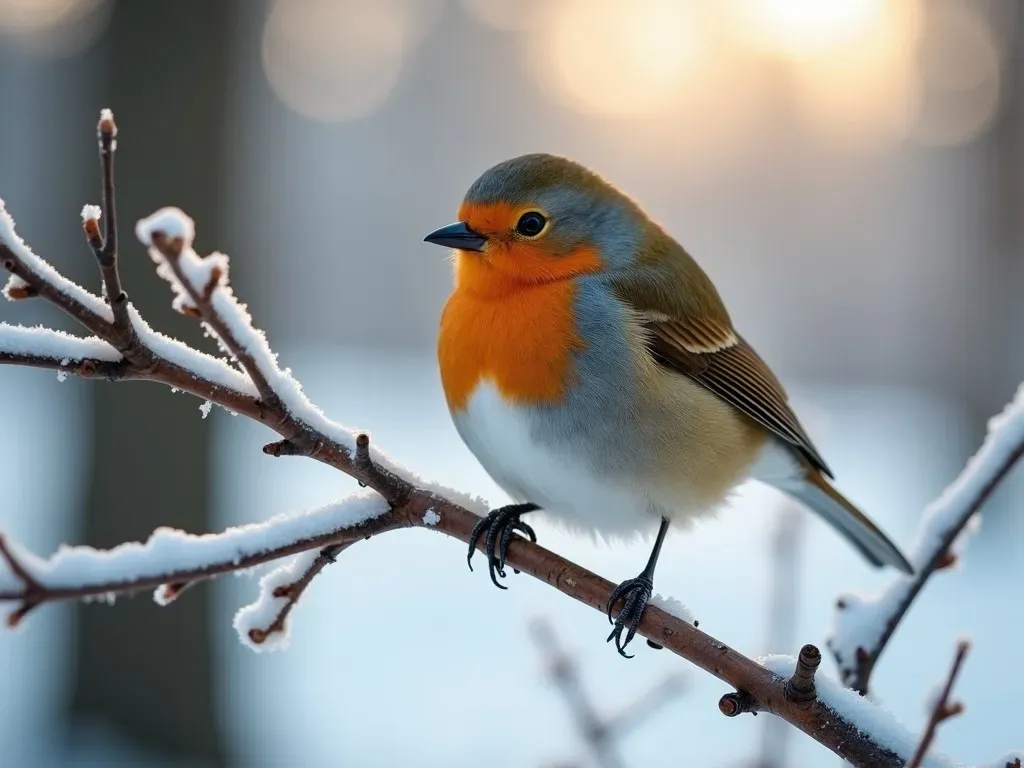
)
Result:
{"points": [[457, 235]]}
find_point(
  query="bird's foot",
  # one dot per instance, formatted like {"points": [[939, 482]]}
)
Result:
{"points": [[500, 525], [635, 593]]}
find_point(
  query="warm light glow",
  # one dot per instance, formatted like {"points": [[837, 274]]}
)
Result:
{"points": [[621, 57], [54, 27], [865, 90], [507, 14], [959, 76], [337, 60], [800, 28]]}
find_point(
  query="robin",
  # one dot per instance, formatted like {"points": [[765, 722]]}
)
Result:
{"points": [[590, 365]]}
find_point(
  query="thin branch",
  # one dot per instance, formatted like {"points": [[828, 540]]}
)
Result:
{"points": [[105, 248], [292, 592], [32, 593], [863, 627], [86, 368], [172, 249], [943, 708]]}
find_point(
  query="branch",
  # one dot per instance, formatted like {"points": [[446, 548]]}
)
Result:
{"points": [[943, 708], [262, 391], [863, 626]]}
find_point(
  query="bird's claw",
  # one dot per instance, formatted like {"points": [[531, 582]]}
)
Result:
{"points": [[500, 526], [635, 593]]}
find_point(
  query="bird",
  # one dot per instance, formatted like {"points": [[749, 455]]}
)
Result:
{"points": [[591, 366]]}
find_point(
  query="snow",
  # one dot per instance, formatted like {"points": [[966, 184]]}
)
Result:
{"points": [[673, 607], [168, 551], [430, 517], [172, 222], [197, 270], [14, 283], [862, 621], [867, 716], [202, 365], [91, 213], [56, 345], [262, 613], [205, 408], [9, 237]]}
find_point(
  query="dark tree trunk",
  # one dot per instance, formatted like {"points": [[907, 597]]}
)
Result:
{"points": [[143, 670]]}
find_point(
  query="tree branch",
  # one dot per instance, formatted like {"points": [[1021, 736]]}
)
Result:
{"points": [[264, 392], [863, 626], [943, 708]]}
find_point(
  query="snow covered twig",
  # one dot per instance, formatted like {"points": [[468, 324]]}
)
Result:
{"points": [[863, 626], [250, 382], [943, 709]]}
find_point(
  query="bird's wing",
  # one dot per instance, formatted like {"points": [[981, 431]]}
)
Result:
{"points": [[698, 341]]}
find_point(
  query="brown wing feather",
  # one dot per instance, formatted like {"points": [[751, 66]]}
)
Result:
{"points": [[720, 360]]}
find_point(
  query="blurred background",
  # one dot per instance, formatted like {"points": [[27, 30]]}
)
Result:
{"points": [[849, 172]]}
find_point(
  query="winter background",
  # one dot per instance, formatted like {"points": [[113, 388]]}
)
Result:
{"points": [[850, 173]]}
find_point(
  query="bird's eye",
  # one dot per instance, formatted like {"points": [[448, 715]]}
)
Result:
{"points": [[531, 224]]}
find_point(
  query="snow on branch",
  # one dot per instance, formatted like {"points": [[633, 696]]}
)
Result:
{"points": [[251, 383], [863, 625], [170, 559]]}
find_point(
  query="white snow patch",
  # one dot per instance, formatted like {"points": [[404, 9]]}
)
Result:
{"points": [[430, 517], [169, 551], [673, 607], [172, 222], [199, 363], [261, 613], [862, 621], [874, 721], [55, 345], [14, 283], [205, 408], [91, 213]]}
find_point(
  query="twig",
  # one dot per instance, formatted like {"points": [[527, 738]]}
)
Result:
{"points": [[269, 395], [32, 593], [945, 521], [105, 248], [293, 591], [943, 708]]}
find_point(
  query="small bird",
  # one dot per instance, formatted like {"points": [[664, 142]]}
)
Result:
{"points": [[590, 365]]}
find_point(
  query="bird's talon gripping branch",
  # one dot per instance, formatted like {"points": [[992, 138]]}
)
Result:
{"points": [[500, 525], [635, 593]]}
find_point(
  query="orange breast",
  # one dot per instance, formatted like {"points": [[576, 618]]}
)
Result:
{"points": [[521, 340]]}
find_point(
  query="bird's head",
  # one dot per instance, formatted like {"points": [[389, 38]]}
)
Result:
{"points": [[538, 218]]}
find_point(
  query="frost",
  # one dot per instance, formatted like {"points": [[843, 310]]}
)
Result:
{"points": [[205, 408], [430, 517], [91, 213]]}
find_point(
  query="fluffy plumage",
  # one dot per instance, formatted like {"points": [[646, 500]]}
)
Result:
{"points": [[594, 369]]}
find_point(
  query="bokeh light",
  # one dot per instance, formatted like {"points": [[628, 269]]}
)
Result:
{"points": [[54, 27], [336, 60], [863, 89], [802, 28], [623, 57], [958, 67], [508, 14]]}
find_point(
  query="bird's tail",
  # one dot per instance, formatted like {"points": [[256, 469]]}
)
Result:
{"points": [[817, 493]]}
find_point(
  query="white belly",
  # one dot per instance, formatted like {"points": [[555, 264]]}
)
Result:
{"points": [[562, 484]]}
